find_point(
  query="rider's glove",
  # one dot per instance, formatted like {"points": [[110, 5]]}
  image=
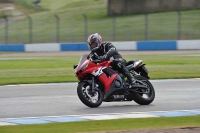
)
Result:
{"points": [[102, 58]]}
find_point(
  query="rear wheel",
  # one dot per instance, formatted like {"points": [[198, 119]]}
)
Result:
{"points": [[88, 97], [143, 96]]}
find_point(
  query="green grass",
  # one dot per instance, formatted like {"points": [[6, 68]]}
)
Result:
{"points": [[106, 125], [161, 26], [52, 5], [27, 6], [60, 69], [171, 66]]}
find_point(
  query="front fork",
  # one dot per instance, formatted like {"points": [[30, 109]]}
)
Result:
{"points": [[92, 83], [94, 86]]}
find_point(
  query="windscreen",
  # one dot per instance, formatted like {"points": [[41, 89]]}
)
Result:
{"points": [[82, 59]]}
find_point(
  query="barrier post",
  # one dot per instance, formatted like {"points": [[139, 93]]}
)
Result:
{"points": [[179, 25], [114, 28], [6, 29], [146, 27], [30, 28], [86, 25], [57, 28]]}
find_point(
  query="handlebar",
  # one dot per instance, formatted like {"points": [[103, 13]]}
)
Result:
{"points": [[96, 61]]}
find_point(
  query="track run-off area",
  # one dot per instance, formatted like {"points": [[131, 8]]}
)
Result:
{"points": [[58, 102]]}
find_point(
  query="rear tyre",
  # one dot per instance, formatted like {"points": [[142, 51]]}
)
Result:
{"points": [[89, 98], [144, 98]]}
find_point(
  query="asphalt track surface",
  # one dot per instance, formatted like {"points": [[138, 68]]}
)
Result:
{"points": [[61, 99]]}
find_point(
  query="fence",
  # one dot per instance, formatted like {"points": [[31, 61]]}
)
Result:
{"points": [[179, 25]]}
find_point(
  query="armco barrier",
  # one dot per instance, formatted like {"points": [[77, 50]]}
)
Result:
{"points": [[82, 46], [42, 47], [187, 44], [157, 45], [74, 47], [12, 48]]}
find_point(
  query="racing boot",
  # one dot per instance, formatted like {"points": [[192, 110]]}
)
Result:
{"points": [[132, 83], [132, 80], [126, 73]]}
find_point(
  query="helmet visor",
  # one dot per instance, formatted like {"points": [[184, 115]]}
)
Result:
{"points": [[93, 45]]}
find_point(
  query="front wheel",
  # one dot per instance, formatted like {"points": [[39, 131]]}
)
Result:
{"points": [[144, 96], [90, 98]]}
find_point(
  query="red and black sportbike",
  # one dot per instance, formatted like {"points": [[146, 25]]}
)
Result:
{"points": [[98, 82]]}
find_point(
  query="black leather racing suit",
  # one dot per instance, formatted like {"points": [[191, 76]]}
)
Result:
{"points": [[118, 63]]}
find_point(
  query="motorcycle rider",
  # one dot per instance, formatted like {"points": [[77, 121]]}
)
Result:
{"points": [[105, 51]]}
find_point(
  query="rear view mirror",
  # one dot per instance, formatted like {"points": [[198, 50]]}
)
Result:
{"points": [[75, 66]]}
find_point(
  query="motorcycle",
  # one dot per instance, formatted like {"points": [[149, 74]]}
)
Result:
{"points": [[98, 82]]}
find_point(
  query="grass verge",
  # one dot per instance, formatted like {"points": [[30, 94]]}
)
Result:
{"points": [[106, 125], [26, 70]]}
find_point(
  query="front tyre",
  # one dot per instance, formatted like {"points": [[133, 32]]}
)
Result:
{"points": [[89, 98], [148, 96]]}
